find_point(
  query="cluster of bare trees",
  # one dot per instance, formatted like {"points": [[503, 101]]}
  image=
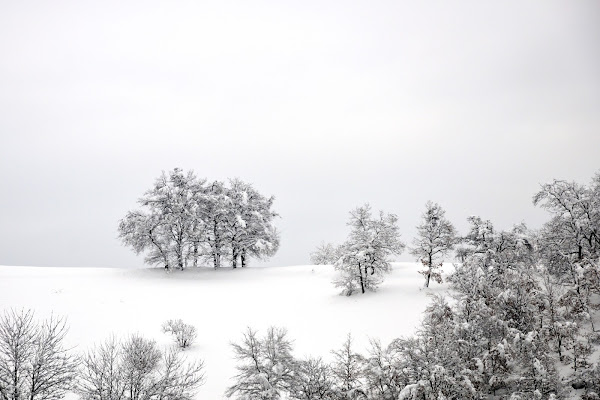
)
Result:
{"points": [[186, 221], [36, 365]]}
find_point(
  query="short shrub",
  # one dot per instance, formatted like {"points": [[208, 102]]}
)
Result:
{"points": [[183, 334]]}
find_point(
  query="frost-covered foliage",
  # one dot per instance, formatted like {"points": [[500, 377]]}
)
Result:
{"points": [[519, 325], [184, 220], [266, 367], [347, 373], [325, 254], [136, 369], [34, 363], [507, 248], [573, 233], [570, 242], [313, 380], [364, 257], [183, 334], [436, 237]]}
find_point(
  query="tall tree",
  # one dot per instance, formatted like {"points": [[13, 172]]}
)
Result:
{"points": [[250, 223], [573, 233], [215, 214], [436, 237], [347, 371], [164, 229]]}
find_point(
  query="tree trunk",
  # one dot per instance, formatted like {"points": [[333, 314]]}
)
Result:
{"points": [[180, 260], [362, 282], [243, 258], [195, 254], [234, 257], [428, 277], [217, 245]]}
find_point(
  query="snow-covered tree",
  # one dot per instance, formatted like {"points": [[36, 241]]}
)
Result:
{"points": [[34, 363], [164, 227], [569, 244], [313, 380], [574, 231], [214, 213], [347, 372], [383, 372], [250, 224], [365, 255], [325, 254], [266, 367], [436, 237], [480, 237]]}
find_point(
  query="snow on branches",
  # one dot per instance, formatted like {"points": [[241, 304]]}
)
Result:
{"points": [[436, 237], [184, 220], [364, 257]]}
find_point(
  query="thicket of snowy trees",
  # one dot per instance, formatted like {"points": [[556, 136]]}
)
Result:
{"points": [[186, 221], [519, 324]]}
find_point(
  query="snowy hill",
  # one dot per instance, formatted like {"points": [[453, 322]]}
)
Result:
{"points": [[220, 304]]}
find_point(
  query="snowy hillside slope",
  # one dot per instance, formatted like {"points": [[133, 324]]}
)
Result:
{"points": [[220, 304]]}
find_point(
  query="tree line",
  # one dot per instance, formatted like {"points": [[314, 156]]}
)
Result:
{"points": [[565, 243], [187, 221]]}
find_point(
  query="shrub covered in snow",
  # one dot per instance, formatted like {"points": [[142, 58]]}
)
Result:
{"points": [[183, 334]]}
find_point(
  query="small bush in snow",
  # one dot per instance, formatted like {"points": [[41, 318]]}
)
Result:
{"points": [[325, 254], [184, 334]]}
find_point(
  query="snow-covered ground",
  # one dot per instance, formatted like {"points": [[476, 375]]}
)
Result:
{"points": [[220, 304]]}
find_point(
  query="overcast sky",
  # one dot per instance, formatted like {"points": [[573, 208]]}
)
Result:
{"points": [[324, 104]]}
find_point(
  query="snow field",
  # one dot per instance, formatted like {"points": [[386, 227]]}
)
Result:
{"points": [[220, 304]]}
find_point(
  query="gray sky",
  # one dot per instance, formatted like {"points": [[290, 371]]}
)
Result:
{"points": [[324, 104]]}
